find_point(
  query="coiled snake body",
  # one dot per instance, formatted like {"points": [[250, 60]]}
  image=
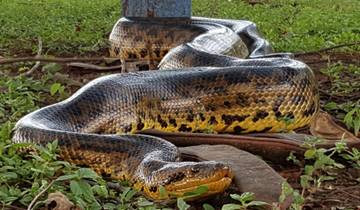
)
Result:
{"points": [[215, 90]]}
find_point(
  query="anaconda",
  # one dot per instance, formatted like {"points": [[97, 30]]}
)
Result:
{"points": [[203, 86]]}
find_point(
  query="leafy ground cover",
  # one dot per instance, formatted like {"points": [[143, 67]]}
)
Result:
{"points": [[81, 28]]}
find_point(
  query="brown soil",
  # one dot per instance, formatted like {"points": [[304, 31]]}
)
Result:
{"points": [[341, 193]]}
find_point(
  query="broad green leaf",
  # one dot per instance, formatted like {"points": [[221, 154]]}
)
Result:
{"points": [[8, 175], [130, 194], [232, 207], [330, 106], [75, 188], [142, 202], [88, 173], [286, 190], [304, 181], [257, 203], [109, 206], [54, 88], [100, 190], [197, 192], [68, 177], [182, 205], [308, 170], [243, 198], [208, 207], [310, 153], [86, 190]]}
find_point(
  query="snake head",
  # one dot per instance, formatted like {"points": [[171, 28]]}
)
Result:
{"points": [[174, 180]]}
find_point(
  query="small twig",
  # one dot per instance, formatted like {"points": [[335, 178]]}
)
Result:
{"points": [[327, 49], [53, 60], [36, 66], [40, 194], [94, 67]]}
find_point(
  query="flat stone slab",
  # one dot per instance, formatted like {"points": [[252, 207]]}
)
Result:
{"points": [[252, 174]]}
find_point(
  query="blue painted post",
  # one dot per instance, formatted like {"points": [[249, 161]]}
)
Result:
{"points": [[157, 8]]}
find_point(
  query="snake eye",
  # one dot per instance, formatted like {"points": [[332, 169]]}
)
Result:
{"points": [[195, 170], [153, 189]]}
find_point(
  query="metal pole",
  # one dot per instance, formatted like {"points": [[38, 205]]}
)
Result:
{"points": [[157, 8]]}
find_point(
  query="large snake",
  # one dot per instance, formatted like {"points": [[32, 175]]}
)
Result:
{"points": [[214, 90]]}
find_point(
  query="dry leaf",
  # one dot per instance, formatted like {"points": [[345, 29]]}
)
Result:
{"points": [[58, 201], [323, 126]]}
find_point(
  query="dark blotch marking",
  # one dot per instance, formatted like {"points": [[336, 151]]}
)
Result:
{"points": [[173, 122], [277, 104], [127, 128], [229, 119], [227, 104], [260, 115], [116, 50], [202, 117], [132, 56], [278, 114], [238, 130], [162, 122], [143, 53], [165, 52], [213, 121], [175, 177], [157, 53], [105, 175], [143, 67], [190, 117], [184, 128], [242, 101], [140, 125]]}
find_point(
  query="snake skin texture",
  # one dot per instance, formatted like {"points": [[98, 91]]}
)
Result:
{"points": [[216, 76]]}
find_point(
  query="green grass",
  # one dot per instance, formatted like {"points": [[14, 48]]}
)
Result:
{"points": [[294, 26], [80, 27], [66, 27]]}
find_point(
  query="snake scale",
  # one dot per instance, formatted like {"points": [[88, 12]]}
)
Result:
{"points": [[216, 89]]}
